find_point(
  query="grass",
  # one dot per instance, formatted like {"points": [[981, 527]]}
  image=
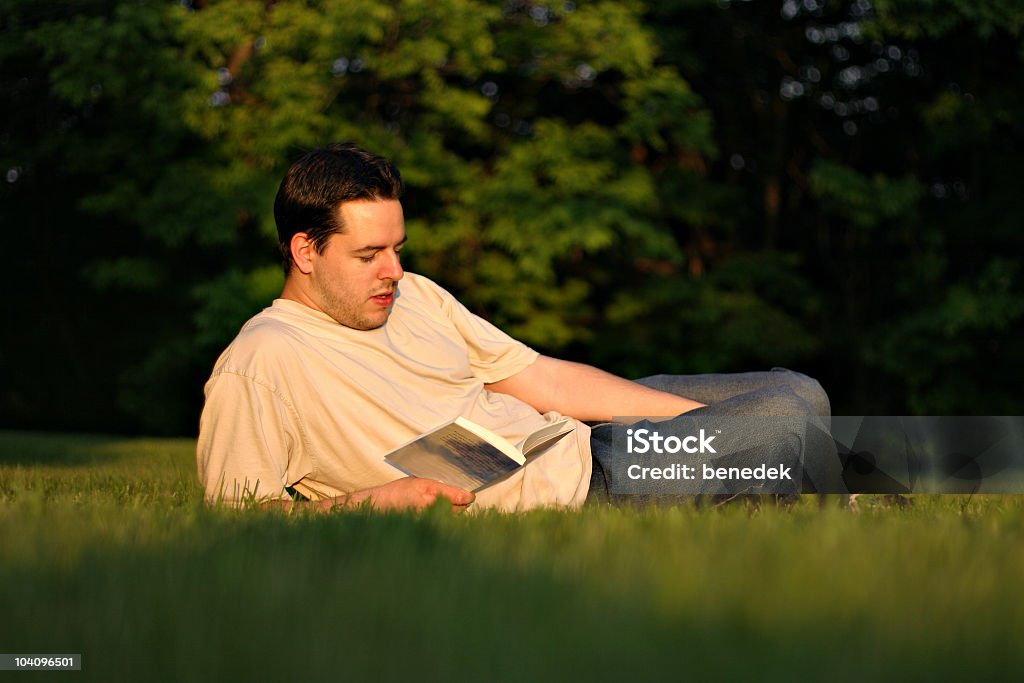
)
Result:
{"points": [[107, 550]]}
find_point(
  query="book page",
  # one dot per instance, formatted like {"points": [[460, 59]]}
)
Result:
{"points": [[496, 440], [455, 456], [546, 436]]}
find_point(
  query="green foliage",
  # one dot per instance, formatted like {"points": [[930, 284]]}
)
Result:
{"points": [[635, 184], [949, 333], [915, 19], [653, 116], [225, 303], [865, 202], [748, 313]]}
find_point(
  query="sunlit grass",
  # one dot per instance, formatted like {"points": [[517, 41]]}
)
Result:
{"points": [[108, 550]]}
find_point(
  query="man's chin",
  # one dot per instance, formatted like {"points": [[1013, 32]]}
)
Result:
{"points": [[365, 324]]}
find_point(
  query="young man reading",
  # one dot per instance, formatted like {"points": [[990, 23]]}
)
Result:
{"points": [[357, 357]]}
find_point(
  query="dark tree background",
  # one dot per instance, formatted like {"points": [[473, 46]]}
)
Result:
{"points": [[674, 186]]}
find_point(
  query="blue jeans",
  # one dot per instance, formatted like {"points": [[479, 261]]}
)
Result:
{"points": [[779, 392]]}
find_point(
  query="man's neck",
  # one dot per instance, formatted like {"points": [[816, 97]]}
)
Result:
{"points": [[294, 291]]}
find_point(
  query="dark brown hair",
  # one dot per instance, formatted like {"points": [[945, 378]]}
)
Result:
{"points": [[319, 182]]}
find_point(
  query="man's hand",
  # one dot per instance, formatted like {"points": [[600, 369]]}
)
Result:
{"points": [[408, 493], [411, 492]]}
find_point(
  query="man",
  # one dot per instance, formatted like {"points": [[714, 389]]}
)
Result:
{"points": [[358, 357]]}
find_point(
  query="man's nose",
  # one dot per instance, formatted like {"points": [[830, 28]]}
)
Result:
{"points": [[391, 268]]}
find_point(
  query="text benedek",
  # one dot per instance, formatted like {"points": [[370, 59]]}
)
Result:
{"points": [[692, 444], [676, 471]]}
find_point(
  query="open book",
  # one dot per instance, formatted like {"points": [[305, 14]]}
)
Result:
{"points": [[462, 453]]}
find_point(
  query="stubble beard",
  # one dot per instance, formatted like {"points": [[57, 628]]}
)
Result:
{"points": [[349, 312]]}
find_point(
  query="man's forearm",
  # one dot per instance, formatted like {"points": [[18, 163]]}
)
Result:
{"points": [[404, 493], [587, 393]]}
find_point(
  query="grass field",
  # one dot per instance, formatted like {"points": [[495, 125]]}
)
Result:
{"points": [[107, 550]]}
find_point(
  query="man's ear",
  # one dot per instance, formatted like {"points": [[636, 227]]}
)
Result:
{"points": [[302, 252]]}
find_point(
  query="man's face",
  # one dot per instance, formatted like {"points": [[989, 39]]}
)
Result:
{"points": [[356, 277]]}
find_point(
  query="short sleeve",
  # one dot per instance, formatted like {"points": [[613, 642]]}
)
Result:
{"points": [[247, 438], [493, 355]]}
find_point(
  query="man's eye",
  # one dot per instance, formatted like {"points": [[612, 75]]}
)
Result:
{"points": [[367, 259]]}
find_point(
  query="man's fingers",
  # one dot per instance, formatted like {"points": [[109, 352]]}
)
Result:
{"points": [[413, 492], [456, 495]]}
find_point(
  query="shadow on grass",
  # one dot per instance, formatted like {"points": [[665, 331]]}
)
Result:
{"points": [[401, 597], [29, 449]]}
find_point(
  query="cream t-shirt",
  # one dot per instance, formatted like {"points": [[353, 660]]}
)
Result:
{"points": [[299, 400]]}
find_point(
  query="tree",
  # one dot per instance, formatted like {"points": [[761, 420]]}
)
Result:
{"points": [[680, 186]]}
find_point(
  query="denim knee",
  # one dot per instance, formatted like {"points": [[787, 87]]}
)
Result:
{"points": [[807, 388], [781, 401]]}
